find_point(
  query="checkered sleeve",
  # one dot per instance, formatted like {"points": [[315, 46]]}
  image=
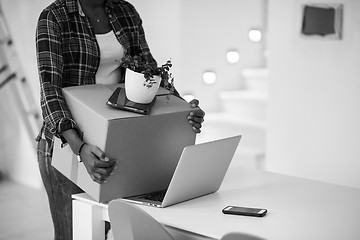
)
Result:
{"points": [[55, 111], [144, 48]]}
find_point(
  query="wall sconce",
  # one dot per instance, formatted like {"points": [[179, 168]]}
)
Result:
{"points": [[209, 77], [255, 35], [232, 57]]}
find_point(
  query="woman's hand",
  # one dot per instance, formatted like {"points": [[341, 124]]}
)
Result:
{"points": [[196, 117], [96, 163]]}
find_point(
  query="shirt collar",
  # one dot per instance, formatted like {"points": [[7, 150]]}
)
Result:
{"points": [[81, 12], [72, 5], [110, 3]]}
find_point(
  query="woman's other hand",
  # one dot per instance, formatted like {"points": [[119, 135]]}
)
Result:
{"points": [[196, 117], [97, 164]]}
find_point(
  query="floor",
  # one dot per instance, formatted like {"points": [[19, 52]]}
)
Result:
{"points": [[24, 213]]}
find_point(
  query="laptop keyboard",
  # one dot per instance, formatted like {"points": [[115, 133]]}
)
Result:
{"points": [[155, 196]]}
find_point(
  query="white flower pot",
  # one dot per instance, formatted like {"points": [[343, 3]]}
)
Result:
{"points": [[135, 89]]}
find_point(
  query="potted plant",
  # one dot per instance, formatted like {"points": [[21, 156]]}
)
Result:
{"points": [[142, 79]]}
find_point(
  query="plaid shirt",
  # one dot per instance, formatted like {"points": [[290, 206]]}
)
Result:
{"points": [[68, 55]]}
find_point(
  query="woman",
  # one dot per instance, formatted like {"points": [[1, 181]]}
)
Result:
{"points": [[80, 42]]}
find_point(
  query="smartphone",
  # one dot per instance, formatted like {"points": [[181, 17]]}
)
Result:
{"points": [[246, 211]]}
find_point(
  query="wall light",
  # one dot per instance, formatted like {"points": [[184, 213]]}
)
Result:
{"points": [[255, 35], [232, 56], [209, 77]]}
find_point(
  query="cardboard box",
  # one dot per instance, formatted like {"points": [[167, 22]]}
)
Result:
{"points": [[146, 147]]}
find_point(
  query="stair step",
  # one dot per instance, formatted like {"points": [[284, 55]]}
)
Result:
{"points": [[249, 157], [255, 73], [234, 119], [256, 79], [221, 125], [243, 95], [251, 150], [245, 104]]}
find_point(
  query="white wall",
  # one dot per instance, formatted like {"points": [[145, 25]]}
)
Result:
{"points": [[197, 34], [314, 97], [161, 22], [209, 29], [18, 155]]}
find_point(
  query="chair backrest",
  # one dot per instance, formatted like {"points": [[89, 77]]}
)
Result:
{"points": [[240, 236], [129, 222]]}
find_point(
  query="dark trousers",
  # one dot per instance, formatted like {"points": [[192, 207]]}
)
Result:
{"points": [[59, 190]]}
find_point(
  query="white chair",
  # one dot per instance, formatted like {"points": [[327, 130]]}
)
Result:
{"points": [[129, 222], [240, 236]]}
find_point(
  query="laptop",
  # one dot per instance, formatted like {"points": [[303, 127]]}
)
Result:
{"points": [[200, 171]]}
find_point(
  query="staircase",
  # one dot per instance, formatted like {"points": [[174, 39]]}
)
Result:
{"points": [[244, 113]]}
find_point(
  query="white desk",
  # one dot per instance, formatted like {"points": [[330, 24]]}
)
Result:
{"points": [[297, 209]]}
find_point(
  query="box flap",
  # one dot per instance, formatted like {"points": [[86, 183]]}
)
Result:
{"points": [[95, 97]]}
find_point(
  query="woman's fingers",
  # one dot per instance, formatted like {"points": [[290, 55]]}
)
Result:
{"points": [[99, 166], [196, 118], [104, 168], [194, 103], [99, 154], [96, 177]]}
